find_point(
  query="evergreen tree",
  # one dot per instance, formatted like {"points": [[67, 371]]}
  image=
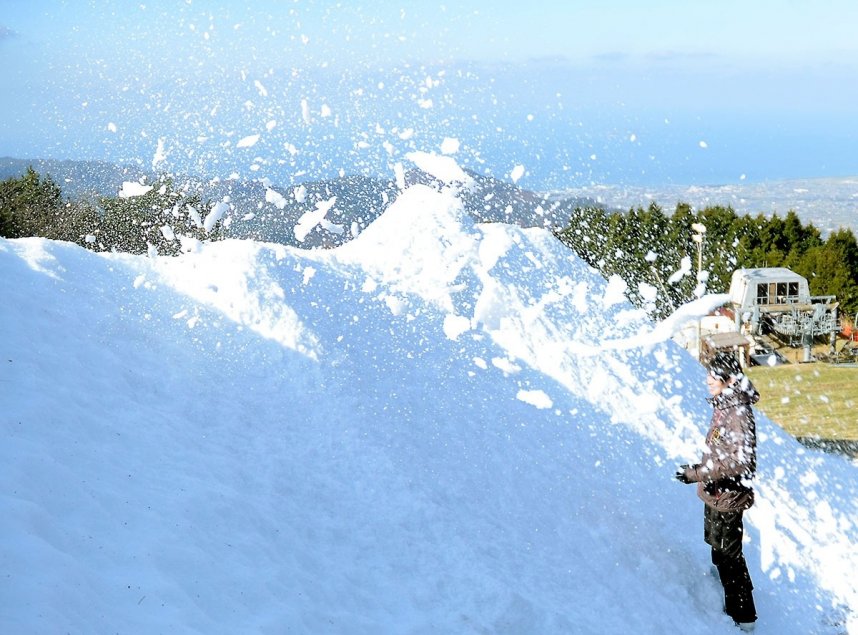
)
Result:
{"points": [[157, 219], [720, 246], [620, 243], [31, 206]]}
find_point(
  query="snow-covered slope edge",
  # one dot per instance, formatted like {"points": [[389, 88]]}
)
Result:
{"points": [[435, 428]]}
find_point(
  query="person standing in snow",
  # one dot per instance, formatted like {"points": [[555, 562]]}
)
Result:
{"points": [[723, 477]]}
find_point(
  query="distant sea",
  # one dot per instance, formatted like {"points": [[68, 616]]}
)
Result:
{"points": [[828, 203]]}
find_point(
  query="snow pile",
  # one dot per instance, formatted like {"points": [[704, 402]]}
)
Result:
{"points": [[433, 429]]}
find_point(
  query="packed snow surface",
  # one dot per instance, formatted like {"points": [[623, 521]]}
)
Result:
{"points": [[440, 427]]}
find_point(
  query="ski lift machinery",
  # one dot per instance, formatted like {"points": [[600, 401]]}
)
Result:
{"points": [[777, 300]]}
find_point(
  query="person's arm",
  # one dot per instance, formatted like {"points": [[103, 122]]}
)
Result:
{"points": [[730, 456]]}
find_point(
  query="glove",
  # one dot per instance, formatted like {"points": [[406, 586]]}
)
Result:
{"points": [[682, 474]]}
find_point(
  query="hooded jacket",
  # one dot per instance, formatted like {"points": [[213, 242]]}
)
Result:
{"points": [[730, 460]]}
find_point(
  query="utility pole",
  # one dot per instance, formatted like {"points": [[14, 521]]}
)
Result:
{"points": [[698, 237]]}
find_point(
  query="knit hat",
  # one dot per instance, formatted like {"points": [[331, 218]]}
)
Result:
{"points": [[723, 366]]}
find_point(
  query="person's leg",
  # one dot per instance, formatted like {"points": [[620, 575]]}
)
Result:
{"points": [[726, 532], [709, 520], [738, 590]]}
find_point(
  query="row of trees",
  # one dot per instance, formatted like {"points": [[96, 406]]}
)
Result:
{"points": [[646, 247], [33, 205]]}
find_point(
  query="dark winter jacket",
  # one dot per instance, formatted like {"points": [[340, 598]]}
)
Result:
{"points": [[730, 460]]}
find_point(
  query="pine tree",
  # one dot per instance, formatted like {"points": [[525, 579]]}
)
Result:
{"points": [[30, 206]]}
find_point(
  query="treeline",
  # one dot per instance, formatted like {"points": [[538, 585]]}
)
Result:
{"points": [[653, 252], [161, 218], [646, 247]]}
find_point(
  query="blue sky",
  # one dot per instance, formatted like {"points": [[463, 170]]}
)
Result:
{"points": [[574, 91]]}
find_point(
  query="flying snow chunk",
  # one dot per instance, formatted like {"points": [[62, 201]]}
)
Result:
{"points": [[309, 272], [167, 232], [615, 291], [160, 154], [111, 127], [648, 293], [325, 110], [195, 215], [449, 145], [272, 196], [399, 175], [300, 193], [671, 325], [305, 111], [217, 212], [703, 144], [333, 228], [130, 189], [455, 325], [396, 305], [505, 365], [248, 142], [445, 169], [310, 219], [517, 173], [536, 398], [684, 270], [263, 92]]}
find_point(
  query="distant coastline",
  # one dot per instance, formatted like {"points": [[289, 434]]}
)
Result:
{"points": [[829, 203]]}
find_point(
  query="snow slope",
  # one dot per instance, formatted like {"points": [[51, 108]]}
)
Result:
{"points": [[440, 427]]}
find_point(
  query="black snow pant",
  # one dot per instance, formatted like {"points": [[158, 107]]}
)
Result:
{"points": [[723, 532]]}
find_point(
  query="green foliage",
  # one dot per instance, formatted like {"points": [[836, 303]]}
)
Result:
{"points": [[155, 219], [33, 206], [645, 247], [832, 269]]}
